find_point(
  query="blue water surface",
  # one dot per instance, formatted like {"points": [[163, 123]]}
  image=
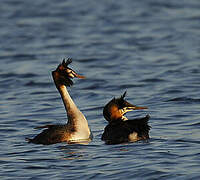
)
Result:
{"points": [[151, 48]]}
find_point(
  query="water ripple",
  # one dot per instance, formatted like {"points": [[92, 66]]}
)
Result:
{"points": [[149, 48], [185, 100]]}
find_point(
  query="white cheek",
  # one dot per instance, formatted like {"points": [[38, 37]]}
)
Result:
{"points": [[71, 75], [124, 118], [121, 111]]}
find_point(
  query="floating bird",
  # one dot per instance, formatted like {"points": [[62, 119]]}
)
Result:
{"points": [[76, 130], [119, 128]]}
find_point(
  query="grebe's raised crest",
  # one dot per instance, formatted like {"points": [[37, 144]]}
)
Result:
{"points": [[63, 74]]}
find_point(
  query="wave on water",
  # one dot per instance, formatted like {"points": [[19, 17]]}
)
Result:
{"points": [[39, 84], [25, 75], [184, 99]]}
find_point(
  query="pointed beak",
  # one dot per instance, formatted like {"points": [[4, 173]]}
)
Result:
{"points": [[130, 107], [78, 76]]}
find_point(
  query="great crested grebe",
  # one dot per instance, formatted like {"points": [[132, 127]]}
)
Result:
{"points": [[119, 128], [76, 129]]}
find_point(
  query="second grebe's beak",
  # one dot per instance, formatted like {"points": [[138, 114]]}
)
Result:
{"points": [[130, 107], [134, 108]]}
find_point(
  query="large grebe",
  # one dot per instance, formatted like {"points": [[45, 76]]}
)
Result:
{"points": [[119, 128], [76, 129]]}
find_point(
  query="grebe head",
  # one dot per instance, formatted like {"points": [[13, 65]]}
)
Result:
{"points": [[63, 74], [116, 108]]}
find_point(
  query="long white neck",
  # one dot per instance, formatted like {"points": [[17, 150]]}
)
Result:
{"points": [[75, 116]]}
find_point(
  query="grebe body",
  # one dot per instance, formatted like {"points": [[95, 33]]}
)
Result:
{"points": [[76, 129], [119, 128]]}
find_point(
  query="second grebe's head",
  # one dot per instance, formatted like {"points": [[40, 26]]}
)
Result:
{"points": [[63, 74], [116, 108]]}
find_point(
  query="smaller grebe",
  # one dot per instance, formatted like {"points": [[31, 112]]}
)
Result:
{"points": [[120, 129], [76, 129]]}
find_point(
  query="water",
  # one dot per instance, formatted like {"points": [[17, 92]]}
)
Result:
{"points": [[149, 48]]}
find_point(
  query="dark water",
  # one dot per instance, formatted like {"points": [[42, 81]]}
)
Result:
{"points": [[150, 48]]}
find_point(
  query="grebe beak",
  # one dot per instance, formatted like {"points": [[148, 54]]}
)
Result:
{"points": [[79, 76], [137, 107], [74, 74], [130, 107]]}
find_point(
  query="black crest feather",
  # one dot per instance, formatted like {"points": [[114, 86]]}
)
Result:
{"points": [[67, 62], [64, 79], [123, 96]]}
